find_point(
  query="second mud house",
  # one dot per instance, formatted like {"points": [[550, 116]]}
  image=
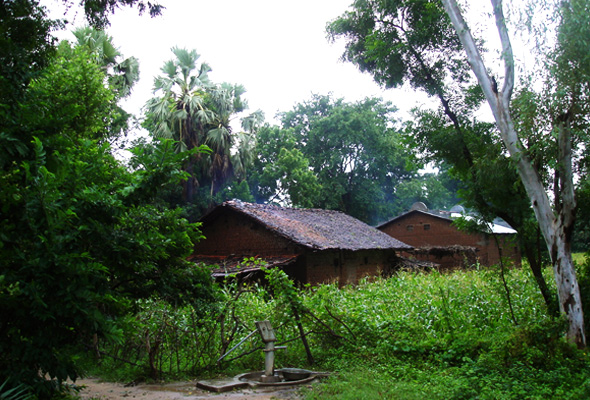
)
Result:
{"points": [[436, 239]]}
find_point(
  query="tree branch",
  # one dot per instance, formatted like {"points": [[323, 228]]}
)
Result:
{"points": [[473, 55], [507, 53], [568, 197]]}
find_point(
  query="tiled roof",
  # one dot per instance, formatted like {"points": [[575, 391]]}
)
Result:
{"points": [[314, 228]]}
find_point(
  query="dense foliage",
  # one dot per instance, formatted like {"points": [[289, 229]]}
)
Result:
{"points": [[403, 41], [427, 335], [81, 236]]}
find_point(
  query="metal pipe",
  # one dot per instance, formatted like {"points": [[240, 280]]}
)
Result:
{"points": [[236, 346]]}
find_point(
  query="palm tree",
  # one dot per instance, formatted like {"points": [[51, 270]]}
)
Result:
{"points": [[194, 111], [245, 144], [179, 112], [226, 101], [122, 75]]}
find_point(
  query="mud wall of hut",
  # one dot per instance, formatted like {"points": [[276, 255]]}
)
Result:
{"points": [[345, 266], [238, 235], [233, 234]]}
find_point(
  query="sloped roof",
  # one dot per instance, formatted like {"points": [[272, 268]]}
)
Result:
{"points": [[313, 228], [451, 216]]}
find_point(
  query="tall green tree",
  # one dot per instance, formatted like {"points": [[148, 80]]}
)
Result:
{"points": [[80, 235], [352, 150], [26, 46], [232, 152], [489, 184], [382, 35], [414, 41], [281, 172], [122, 73]]}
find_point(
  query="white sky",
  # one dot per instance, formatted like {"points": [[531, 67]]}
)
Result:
{"points": [[277, 50]]}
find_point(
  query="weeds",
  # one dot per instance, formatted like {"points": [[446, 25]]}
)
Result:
{"points": [[414, 335]]}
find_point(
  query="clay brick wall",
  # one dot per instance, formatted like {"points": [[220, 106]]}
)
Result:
{"points": [[420, 230], [509, 247], [232, 233], [346, 267]]}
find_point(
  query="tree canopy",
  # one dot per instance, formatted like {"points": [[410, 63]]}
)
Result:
{"points": [[431, 47], [556, 216], [332, 154]]}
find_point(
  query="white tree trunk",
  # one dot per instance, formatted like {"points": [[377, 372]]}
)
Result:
{"points": [[555, 228]]}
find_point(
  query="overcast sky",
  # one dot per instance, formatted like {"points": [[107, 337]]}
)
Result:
{"points": [[277, 49]]}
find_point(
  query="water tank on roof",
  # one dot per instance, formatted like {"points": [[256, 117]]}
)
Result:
{"points": [[458, 209], [419, 206]]}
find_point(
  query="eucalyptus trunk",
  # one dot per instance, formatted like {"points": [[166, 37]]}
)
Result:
{"points": [[555, 226]]}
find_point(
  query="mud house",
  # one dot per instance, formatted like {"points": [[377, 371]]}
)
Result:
{"points": [[436, 239], [311, 245]]}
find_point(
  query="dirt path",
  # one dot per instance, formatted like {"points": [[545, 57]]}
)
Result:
{"points": [[94, 389]]}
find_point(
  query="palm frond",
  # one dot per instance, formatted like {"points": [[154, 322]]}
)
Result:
{"points": [[19, 392], [127, 74], [169, 69], [186, 60], [179, 114], [204, 73], [98, 43], [159, 107], [253, 122], [194, 101], [162, 130], [204, 117], [218, 139]]}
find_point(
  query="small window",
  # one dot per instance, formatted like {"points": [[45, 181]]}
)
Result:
{"points": [[336, 262], [410, 227], [426, 227], [366, 260]]}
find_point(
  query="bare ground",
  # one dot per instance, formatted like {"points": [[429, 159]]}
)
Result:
{"points": [[95, 389]]}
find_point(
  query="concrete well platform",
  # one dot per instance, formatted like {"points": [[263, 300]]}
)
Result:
{"points": [[252, 380]]}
